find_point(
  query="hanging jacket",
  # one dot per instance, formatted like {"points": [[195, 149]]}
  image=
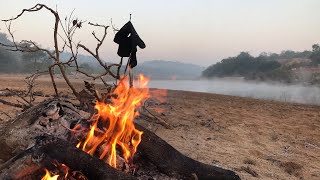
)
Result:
{"points": [[128, 40]]}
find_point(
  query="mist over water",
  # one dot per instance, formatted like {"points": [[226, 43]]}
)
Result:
{"points": [[278, 92]]}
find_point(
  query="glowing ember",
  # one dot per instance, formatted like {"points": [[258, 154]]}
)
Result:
{"points": [[49, 177], [65, 169], [113, 125], [61, 172]]}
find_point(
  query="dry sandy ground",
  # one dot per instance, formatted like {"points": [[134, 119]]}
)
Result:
{"points": [[256, 138]]}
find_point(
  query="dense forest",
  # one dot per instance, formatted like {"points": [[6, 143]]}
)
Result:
{"points": [[288, 66]]}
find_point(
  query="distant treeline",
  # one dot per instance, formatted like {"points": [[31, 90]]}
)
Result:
{"points": [[272, 66], [30, 62]]}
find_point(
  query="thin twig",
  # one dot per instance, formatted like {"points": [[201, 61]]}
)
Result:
{"points": [[160, 120], [2, 112], [20, 96]]}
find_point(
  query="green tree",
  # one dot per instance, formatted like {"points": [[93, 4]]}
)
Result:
{"points": [[315, 55], [243, 65], [8, 59], [34, 61], [86, 68]]}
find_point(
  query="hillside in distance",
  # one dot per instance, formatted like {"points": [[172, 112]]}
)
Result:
{"points": [[156, 69]]}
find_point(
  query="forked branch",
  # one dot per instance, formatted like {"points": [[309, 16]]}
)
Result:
{"points": [[69, 28]]}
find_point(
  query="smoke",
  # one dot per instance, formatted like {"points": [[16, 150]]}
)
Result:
{"points": [[297, 93]]}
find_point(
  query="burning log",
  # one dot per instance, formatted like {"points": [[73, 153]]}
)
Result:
{"points": [[50, 149], [75, 158], [90, 166]]}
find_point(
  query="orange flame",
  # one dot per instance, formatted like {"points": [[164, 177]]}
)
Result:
{"points": [[159, 95], [117, 118], [49, 177], [65, 169]]}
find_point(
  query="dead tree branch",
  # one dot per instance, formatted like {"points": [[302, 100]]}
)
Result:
{"points": [[26, 96], [97, 56], [30, 80], [68, 29], [55, 55]]}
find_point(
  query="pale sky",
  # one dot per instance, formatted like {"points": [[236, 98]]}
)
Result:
{"points": [[192, 31]]}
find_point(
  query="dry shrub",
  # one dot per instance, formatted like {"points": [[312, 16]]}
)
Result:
{"points": [[291, 168], [274, 136], [249, 161], [249, 170]]}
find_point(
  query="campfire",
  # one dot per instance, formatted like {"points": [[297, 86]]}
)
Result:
{"points": [[97, 137], [113, 127], [109, 145]]}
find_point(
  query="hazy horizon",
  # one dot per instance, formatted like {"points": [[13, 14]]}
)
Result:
{"points": [[197, 32]]}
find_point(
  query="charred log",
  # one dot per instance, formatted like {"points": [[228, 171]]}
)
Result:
{"points": [[52, 149], [90, 166]]}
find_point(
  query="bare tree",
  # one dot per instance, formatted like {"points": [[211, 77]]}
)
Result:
{"points": [[69, 28]]}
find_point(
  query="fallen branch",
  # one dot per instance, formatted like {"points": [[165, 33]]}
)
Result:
{"points": [[30, 80], [152, 114], [22, 96], [2, 112], [13, 104]]}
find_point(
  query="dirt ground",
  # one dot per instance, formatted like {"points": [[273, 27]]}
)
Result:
{"points": [[256, 138]]}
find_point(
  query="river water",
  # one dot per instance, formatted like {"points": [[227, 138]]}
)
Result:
{"points": [[279, 92]]}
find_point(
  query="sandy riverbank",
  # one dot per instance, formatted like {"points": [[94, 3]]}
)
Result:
{"points": [[270, 140]]}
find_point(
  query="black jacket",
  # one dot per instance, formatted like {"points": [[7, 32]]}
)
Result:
{"points": [[128, 40]]}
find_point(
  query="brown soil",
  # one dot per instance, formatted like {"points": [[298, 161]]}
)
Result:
{"points": [[256, 138]]}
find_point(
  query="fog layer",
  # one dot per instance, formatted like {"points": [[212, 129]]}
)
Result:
{"points": [[278, 92]]}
